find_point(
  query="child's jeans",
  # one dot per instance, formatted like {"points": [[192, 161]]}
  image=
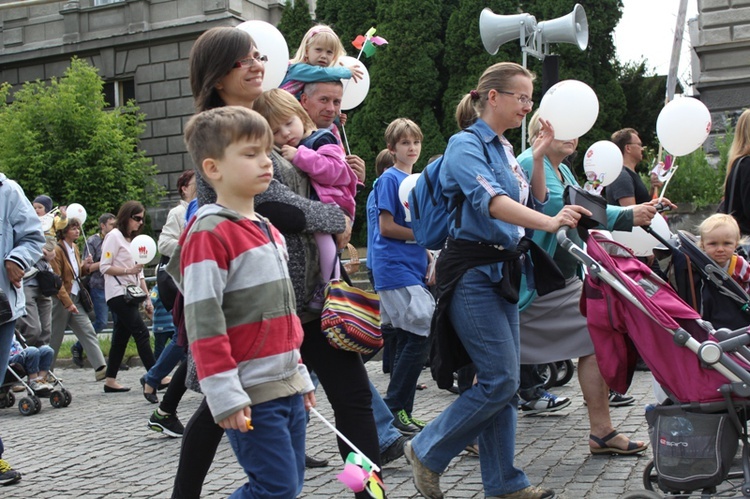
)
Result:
{"points": [[273, 454], [160, 341], [34, 359]]}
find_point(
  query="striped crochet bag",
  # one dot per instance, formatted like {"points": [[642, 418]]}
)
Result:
{"points": [[351, 318]]}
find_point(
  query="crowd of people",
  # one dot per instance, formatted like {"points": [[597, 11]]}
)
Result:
{"points": [[249, 250]]}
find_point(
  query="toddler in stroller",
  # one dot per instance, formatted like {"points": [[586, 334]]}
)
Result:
{"points": [[35, 363], [695, 434]]}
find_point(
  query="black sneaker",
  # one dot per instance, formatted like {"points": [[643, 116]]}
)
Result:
{"points": [[312, 462], [167, 424], [619, 400], [402, 422], [76, 351], [394, 451], [7, 474]]}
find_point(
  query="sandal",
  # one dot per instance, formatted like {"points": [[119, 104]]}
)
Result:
{"points": [[633, 448]]}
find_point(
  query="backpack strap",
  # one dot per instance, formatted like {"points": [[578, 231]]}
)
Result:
{"points": [[460, 198]]}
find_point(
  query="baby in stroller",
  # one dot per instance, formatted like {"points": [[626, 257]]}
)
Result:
{"points": [[36, 362]]}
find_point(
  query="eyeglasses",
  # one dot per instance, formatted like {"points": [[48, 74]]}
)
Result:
{"points": [[248, 61], [521, 98], [137, 218]]}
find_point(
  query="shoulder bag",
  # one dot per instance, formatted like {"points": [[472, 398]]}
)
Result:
{"points": [[133, 294], [351, 317], [48, 282], [83, 294]]}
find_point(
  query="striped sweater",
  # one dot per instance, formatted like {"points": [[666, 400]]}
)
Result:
{"points": [[739, 269], [239, 311]]}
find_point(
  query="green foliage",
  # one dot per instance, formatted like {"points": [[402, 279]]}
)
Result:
{"points": [[696, 181], [294, 23], [57, 139], [644, 94]]}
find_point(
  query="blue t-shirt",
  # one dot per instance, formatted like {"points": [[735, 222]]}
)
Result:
{"points": [[373, 224], [395, 263]]}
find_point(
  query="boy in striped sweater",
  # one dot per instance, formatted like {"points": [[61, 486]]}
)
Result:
{"points": [[240, 315]]}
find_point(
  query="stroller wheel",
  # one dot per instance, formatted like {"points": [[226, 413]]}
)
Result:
{"points": [[11, 399], [548, 372], [565, 372], [68, 397], [642, 494], [57, 399], [37, 404], [650, 478], [7, 400], [26, 406]]}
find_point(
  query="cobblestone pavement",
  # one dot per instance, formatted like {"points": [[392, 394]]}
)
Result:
{"points": [[100, 446]]}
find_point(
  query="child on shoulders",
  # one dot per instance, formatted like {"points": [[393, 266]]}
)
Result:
{"points": [[244, 334], [316, 60], [317, 153]]}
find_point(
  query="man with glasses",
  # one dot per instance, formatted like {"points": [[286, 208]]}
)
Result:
{"points": [[628, 189]]}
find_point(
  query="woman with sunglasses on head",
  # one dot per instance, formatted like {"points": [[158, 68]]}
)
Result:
{"points": [[120, 269], [226, 69]]}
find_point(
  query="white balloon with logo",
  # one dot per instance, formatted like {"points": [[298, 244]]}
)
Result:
{"points": [[270, 43], [683, 125], [143, 248], [641, 242], [603, 162], [75, 210], [403, 193], [354, 92], [571, 107]]}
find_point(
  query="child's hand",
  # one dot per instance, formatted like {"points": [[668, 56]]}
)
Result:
{"points": [[342, 118], [63, 211], [288, 152], [309, 399], [237, 421], [357, 72]]}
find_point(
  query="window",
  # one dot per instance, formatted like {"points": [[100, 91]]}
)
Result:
{"points": [[117, 93], [105, 2]]}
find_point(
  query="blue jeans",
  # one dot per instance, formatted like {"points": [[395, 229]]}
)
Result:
{"points": [[7, 331], [387, 433], [34, 359], [160, 341], [169, 358], [488, 328], [408, 361], [273, 454], [101, 310]]}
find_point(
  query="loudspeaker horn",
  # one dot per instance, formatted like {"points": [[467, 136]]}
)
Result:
{"points": [[573, 28], [496, 29]]}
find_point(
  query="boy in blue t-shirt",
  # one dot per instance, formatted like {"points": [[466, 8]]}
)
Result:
{"points": [[399, 268]]}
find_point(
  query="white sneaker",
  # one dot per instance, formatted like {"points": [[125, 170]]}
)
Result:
{"points": [[40, 386], [546, 403]]}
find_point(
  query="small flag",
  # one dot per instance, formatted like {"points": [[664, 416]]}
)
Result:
{"points": [[367, 43]]}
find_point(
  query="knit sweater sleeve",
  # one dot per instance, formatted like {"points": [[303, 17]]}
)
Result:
{"points": [[306, 73]]}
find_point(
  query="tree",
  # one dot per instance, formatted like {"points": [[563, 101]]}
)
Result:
{"points": [[58, 139], [294, 23], [644, 95]]}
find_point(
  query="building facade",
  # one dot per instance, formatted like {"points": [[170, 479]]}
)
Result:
{"points": [[141, 48], [721, 71]]}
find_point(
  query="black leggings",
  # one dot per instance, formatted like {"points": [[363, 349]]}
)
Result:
{"points": [[175, 390], [129, 323], [344, 379]]}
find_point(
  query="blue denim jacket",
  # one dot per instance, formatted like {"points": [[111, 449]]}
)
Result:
{"points": [[21, 238], [465, 169]]}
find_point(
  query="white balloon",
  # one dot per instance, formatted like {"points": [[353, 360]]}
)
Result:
{"points": [[640, 241], [683, 125], [603, 162], [571, 107], [354, 92], [143, 248], [75, 210], [271, 43], [403, 192]]}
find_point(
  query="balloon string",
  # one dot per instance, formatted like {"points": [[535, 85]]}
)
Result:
{"points": [[346, 141], [346, 440]]}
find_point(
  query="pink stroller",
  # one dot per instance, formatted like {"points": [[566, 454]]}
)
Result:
{"points": [[695, 434]]}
